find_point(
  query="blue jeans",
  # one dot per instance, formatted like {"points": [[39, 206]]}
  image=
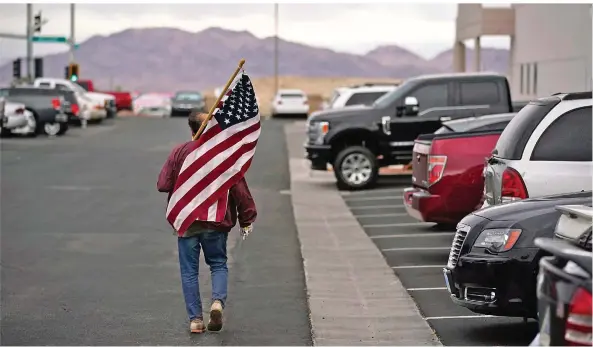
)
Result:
{"points": [[214, 245]]}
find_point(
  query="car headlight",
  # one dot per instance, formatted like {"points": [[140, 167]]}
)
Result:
{"points": [[317, 131], [498, 240]]}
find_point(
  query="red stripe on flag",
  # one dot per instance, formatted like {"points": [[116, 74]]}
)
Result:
{"points": [[226, 186], [213, 152], [207, 180]]}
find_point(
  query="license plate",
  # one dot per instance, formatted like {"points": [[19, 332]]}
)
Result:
{"points": [[447, 283], [61, 118]]}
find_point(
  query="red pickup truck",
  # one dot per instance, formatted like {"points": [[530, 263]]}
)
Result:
{"points": [[123, 100], [447, 168]]}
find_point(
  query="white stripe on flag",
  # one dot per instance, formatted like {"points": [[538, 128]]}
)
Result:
{"points": [[218, 138], [212, 211], [204, 194], [209, 166]]}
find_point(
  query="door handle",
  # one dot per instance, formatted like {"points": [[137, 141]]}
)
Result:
{"points": [[386, 124]]}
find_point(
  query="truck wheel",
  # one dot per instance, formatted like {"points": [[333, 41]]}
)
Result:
{"points": [[51, 129], [355, 168]]}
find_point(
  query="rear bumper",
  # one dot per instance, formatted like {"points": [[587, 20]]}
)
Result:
{"points": [[290, 109], [319, 155], [14, 121], [425, 207]]}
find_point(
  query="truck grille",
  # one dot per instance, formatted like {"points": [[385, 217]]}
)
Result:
{"points": [[458, 240]]}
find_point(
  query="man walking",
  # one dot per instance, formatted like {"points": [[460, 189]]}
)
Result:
{"points": [[208, 236]]}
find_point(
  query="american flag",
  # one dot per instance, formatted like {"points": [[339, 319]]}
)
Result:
{"points": [[219, 158]]}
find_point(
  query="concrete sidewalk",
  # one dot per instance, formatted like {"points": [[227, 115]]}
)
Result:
{"points": [[354, 296]]}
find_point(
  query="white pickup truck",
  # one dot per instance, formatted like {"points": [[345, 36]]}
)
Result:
{"points": [[93, 106]]}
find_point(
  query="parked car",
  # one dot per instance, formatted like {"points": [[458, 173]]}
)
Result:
{"points": [[358, 140], [12, 116], [184, 102], [365, 94], [153, 104], [493, 262], [123, 100], [564, 282], [290, 102], [70, 105], [99, 100], [45, 104], [545, 149], [447, 180]]}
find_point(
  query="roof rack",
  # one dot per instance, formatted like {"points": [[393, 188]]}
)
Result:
{"points": [[578, 96], [378, 84]]}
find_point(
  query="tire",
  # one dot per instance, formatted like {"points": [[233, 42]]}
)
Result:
{"points": [[51, 129], [63, 129], [364, 170]]}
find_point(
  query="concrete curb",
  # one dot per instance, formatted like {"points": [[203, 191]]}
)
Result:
{"points": [[354, 296]]}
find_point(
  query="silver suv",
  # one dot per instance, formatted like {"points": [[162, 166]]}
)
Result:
{"points": [[545, 150]]}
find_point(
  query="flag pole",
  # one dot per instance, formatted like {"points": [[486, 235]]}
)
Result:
{"points": [[224, 90]]}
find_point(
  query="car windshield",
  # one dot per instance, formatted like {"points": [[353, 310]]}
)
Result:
{"points": [[398, 93], [188, 96], [84, 85]]}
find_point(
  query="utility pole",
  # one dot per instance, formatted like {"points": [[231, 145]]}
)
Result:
{"points": [[29, 42], [276, 48], [72, 38]]}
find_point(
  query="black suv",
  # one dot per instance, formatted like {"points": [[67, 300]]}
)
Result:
{"points": [[358, 140]]}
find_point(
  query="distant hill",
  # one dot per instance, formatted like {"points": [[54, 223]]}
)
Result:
{"points": [[166, 59]]}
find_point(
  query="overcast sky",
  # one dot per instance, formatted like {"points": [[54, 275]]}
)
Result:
{"points": [[426, 29]]}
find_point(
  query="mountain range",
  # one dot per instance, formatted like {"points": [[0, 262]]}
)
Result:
{"points": [[168, 59]]}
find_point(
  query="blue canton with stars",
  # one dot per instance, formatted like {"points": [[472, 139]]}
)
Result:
{"points": [[239, 106]]}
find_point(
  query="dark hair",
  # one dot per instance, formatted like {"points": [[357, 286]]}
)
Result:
{"points": [[194, 120]]}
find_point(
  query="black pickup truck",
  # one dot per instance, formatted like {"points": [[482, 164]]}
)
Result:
{"points": [[47, 105], [358, 140]]}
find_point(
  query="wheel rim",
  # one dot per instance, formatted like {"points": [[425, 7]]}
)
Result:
{"points": [[51, 128], [356, 168]]}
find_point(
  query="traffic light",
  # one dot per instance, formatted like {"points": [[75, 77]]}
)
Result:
{"points": [[16, 68], [38, 67], [37, 24], [73, 72]]}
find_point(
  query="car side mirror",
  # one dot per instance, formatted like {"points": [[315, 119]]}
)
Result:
{"points": [[411, 106]]}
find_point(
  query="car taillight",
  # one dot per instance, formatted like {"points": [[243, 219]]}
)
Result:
{"points": [[512, 186], [75, 109], [436, 167], [19, 111], [578, 323], [55, 103]]}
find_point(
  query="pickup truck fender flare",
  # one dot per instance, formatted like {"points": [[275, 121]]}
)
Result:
{"points": [[350, 133]]}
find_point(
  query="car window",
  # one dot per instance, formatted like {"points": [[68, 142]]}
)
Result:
{"points": [[479, 93], [514, 138], [44, 84], [364, 98], [568, 138], [291, 96], [61, 87], [431, 95], [188, 96]]}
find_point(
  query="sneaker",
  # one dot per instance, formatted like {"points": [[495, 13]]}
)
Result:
{"points": [[215, 323], [197, 326]]}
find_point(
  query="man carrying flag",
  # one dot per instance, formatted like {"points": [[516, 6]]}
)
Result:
{"points": [[207, 192]]}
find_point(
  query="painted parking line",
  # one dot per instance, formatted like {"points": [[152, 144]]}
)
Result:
{"points": [[425, 289], [417, 266], [370, 192], [376, 206], [373, 198], [461, 317], [413, 224], [411, 235], [381, 215], [415, 249]]}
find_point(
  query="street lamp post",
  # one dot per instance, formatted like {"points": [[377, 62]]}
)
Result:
{"points": [[276, 48]]}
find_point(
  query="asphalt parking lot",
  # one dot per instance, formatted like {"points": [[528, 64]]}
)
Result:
{"points": [[417, 252]]}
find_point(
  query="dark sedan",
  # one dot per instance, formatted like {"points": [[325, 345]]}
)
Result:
{"points": [[493, 263], [183, 103]]}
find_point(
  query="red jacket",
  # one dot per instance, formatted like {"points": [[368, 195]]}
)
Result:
{"points": [[240, 199]]}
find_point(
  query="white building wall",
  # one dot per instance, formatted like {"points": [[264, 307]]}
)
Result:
{"points": [[552, 48]]}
